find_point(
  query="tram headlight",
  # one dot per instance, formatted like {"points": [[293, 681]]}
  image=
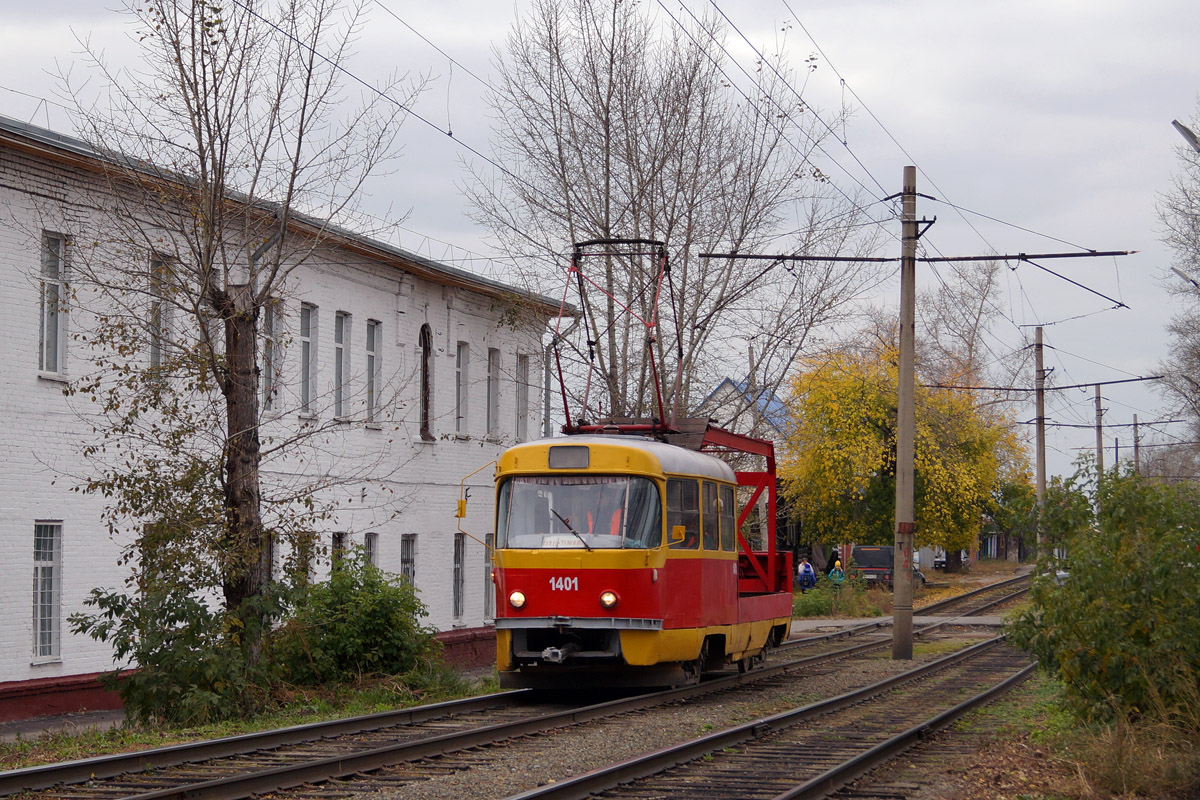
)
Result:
{"points": [[608, 599], [517, 599]]}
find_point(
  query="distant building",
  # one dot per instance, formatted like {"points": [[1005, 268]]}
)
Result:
{"points": [[744, 408], [359, 333]]}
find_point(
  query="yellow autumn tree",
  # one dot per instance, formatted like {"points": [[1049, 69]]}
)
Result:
{"points": [[838, 463]]}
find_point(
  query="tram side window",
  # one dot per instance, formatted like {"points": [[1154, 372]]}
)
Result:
{"points": [[709, 516], [728, 520], [683, 508]]}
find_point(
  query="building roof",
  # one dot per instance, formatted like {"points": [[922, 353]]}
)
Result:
{"points": [[767, 404], [67, 149]]}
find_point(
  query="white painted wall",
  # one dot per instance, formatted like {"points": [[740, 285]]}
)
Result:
{"points": [[396, 483]]}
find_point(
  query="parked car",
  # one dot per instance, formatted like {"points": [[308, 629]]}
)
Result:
{"points": [[873, 563]]}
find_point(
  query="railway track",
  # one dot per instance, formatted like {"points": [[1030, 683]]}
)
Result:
{"points": [[271, 760], [811, 751]]}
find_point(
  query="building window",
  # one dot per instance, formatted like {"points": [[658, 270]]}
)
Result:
{"points": [[408, 557], [337, 547], [308, 357], [271, 365], [373, 369], [489, 585], [426, 400], [341, 362], [522, 398], [52, 335], [47, 585], [461, 357], [460, 548], [493, 391], [160, 312], [371, 547]]}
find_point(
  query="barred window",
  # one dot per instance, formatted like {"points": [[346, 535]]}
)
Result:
{"points": [[460, 548], [408, 557], [47, 588]]}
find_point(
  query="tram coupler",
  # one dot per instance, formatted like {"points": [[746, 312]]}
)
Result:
{"points": [[559, 655]]}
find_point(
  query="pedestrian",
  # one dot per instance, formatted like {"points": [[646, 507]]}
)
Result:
{"points": [[807, 575], [836, 575]]}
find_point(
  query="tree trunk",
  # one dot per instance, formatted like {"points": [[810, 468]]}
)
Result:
{"points": [[248, 555]]}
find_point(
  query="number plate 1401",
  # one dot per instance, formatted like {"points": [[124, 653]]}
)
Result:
{"points": [[561, 584]]}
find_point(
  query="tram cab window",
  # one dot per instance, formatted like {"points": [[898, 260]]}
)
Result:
{"points": [[708, 516], [728, 520], [578, 511], [683, 510]]}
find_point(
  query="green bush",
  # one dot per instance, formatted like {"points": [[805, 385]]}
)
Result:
{"points": [[361, 621], [827, 599], [191, 668], [1122, 632]]}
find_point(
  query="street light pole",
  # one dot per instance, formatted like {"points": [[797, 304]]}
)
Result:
{"points": [[1186, 133]]}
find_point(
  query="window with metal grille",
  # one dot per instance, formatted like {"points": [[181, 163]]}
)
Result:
{"points": [[408, 557], [47, 588], [371, 547], [460, 548]]}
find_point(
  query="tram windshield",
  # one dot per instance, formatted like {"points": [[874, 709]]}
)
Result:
{"points": [[578, 511]]}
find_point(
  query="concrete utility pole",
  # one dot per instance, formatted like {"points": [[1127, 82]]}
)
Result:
{"points": [[1137, 448], [902, 576], [1040, 425], [1099, 434]]}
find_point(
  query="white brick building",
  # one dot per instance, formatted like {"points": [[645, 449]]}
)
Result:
{"points": [[382, 313]]}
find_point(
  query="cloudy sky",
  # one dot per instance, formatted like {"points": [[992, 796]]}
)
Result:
{"points": [[1051, 116]]}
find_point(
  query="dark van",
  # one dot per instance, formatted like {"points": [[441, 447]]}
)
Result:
{"points": [[874, 564]]}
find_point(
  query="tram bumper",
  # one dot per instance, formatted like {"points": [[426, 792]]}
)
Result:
{"points": [[537, 651]]}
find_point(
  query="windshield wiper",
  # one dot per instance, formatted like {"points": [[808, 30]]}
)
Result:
{"points": [[578, 536]]}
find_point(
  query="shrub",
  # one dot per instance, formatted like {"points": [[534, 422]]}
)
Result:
{"points": [[191, 666], [1123, 631], [360, 621], [851, 599]]}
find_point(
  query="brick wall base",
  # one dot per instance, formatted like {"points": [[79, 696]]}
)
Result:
{"points": [[469, 647], [465, 648], [44, 697]]}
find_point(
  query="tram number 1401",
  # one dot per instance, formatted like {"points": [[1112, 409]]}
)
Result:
{"points": [[561, 584]]}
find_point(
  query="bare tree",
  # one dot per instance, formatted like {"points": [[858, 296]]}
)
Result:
{"points": [[957, 320], [612, 126], [1179, 211], [227, 153]]}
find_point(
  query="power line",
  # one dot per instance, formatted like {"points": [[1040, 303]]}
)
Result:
{"points": [[857, 160], [1097, 363], [384, 95], [754, 106], [422, 37], [1048, 388]]}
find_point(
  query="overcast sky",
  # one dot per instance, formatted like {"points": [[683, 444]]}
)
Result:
{"points": [[1050, 115]]}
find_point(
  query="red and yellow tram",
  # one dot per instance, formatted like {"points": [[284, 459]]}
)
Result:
{"points": [[619, 562]]}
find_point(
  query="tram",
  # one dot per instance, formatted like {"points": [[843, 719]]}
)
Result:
{"points": [[619, 562]]}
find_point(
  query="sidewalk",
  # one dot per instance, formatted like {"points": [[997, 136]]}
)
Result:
{"points": [[64, 723]]}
